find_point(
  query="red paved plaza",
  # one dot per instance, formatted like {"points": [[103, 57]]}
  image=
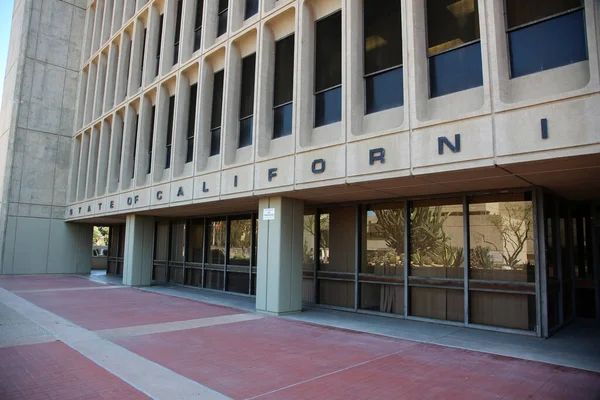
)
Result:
{"points": [[268, 358]]}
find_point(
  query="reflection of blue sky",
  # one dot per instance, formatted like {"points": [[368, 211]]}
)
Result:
{"points": [[370, 213], [6, 9]]}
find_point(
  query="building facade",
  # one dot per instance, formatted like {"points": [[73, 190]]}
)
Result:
{"points": [[424, 159]]}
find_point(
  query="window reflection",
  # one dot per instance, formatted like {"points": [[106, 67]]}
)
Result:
{"points": [[502, 239], [239, 242], [382, 289], [437, 259], [216, 242], [308, 258], [502, 257]]}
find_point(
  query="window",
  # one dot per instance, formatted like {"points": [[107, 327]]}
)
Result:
{"points": [[198, 24], [247, 100], [328, 70], [502, 261], [436, 271], [383, 55], [191, 123], [159, 44], [251, 8], [545, 34], [142, 59], [169, 132], [135, 133], [240, 247], [283, 87], [151, 139], [215, 254], [222, 17], [177, 33], [454, 47], [217, 108], [381, 273]]}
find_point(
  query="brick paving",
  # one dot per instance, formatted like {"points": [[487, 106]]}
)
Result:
{"points": [[252, 358], [268, 358], [55, 371], [108, 309]]}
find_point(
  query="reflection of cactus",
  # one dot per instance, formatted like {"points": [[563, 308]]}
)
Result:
{"points": [[480, 257], [384, 258], [450, 256]]}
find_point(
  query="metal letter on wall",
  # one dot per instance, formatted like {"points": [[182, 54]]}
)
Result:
{"points": [[318, 166], [272, 173], [180, 191], [544, 123], [443, 140], [377, 155]]}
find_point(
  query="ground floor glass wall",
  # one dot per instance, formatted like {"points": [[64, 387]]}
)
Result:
{"points": [[468, 260], [116, 249], [215, 253]]}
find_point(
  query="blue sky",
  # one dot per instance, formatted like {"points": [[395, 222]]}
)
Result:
{"points": [[6, 8]]}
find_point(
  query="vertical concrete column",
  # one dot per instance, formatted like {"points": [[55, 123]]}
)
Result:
{"points": [[136, 58], [139, 237], [91, 89], [98, 25], [92, 163], [123, 68], [100, 86], [107, 20], [89, 33], [117, 17], [279, 274], [114, 159], [83, 164], [111, 77], [83, 81], [74, 168], [103, 154]]}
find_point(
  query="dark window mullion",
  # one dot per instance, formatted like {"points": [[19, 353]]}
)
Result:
{"points": [[169, 138], [151, 138]]}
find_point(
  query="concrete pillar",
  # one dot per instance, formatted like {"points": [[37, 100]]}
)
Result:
{"points": [[279, 274], [139, 240]]}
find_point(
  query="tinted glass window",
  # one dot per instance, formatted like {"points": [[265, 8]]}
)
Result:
{"points": [[170, 131], [284, 71], [251, 8], [456, 70], [222, 18], [519, 12], [215, 141], [384, 90], [548, 44], [159, 43], [135, 135], [328, 107], [383, 35], [216, 241], [195, 241], [177, 33], [328, 67], [151, 138], [217, 102], [198, 24], [142, 59], [191, 123], [451, 23], [282, 120], [247, 92], [217, 107]]}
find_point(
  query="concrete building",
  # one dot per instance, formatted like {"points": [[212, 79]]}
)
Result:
{"points": [[424, 159]]}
